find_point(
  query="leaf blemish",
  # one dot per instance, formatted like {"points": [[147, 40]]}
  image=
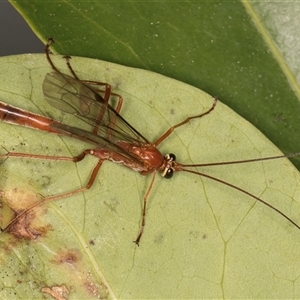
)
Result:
{"points": [[57, 292], [14, 201], [67, 256]]}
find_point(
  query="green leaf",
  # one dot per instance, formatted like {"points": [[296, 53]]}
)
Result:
{"points": [[201, 240], [244, 52]]}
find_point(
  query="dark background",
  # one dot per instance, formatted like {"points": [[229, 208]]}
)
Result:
{"points": [[16, 37]]}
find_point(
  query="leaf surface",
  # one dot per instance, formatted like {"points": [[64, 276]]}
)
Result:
{"points": [[201, 240]]}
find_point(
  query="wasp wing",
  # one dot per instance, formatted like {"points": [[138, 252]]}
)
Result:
{"points": [[74, 97]]}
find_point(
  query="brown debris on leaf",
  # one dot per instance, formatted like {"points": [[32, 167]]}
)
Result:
{"points": [[57, 292], [25, 227]]}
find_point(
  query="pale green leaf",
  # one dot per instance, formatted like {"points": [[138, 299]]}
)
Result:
{"points": [[201, 240]]}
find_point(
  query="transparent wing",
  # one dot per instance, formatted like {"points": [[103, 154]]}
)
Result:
{"points": [[71, 96], [74, 97]]}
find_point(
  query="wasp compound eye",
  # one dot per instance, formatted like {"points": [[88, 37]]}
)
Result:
{"points": [[169, 173]]}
